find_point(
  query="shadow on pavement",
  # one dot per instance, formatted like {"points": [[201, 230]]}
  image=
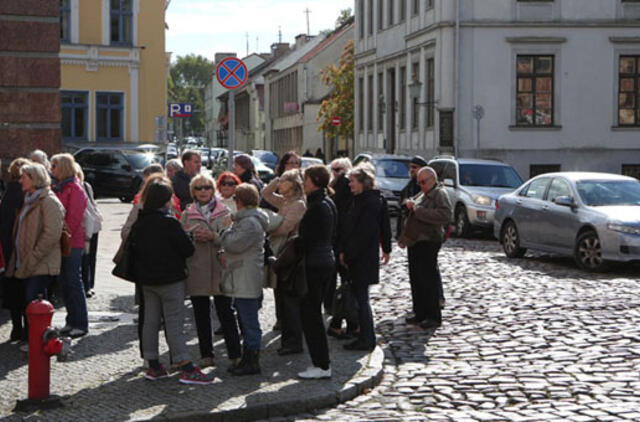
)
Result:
{"points": [[11, 358]]}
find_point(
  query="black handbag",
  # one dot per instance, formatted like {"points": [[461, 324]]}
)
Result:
{"points": [[345, 305], [124, 268]]}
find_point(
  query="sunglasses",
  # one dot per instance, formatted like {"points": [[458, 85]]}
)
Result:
{"points": [[413, 166], [336, 169], [199, 188], [423, 181], [228, 184]]}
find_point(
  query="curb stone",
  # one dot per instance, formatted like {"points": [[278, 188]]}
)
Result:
{"points": [[366, 379]]}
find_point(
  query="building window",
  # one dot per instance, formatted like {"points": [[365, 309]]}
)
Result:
{"points": [[109, 116], [380, 15], [429, 4], [534, 96], [430, 94], [370, 17], [403, 10], [361, 18], [74, 115], [370, 103], [361, 104], [380, 100], [538, 169], [65, 20], [415, 9], [629, 92], [121, 22], [415, 109], [632, 170], [392, 6], [403, 98]]}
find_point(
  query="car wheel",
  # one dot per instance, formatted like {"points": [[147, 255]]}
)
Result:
{"points": [[510, 240], [588, 253], [463, 227]]}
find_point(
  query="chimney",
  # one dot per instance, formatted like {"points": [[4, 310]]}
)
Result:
{"points": [[301, 40], [279, 49]]}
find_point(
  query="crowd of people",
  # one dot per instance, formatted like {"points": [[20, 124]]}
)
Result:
{"points": [[222, 242]]}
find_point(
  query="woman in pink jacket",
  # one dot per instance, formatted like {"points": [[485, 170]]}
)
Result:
{"points": [[71, 194]]}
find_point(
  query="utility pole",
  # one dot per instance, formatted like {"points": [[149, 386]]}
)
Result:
{"points": [[257, 44], [279, 34], [247, 34], [307, 12]]}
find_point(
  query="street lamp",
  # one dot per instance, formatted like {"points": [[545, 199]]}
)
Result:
{"points": [[415, 88]]}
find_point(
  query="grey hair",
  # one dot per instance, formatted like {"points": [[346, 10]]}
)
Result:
{"points": [[343, 163], [174, 164], [364, 173], [39, 156], [38, 174], [294, 177]]}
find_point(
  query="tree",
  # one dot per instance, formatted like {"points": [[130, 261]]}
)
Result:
{"points": [[340, 102], [345, 15], [189, 75]]}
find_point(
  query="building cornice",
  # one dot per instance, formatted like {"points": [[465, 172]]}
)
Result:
{"points": [[625, 40], [553, 24], [92, 59], [430, 28], [536, 40]]}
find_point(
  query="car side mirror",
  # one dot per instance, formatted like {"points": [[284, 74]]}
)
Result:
{"points": [[565, 201], [449, 183]]}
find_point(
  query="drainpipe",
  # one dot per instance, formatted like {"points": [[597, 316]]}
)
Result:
{"points": [[456, 136]]}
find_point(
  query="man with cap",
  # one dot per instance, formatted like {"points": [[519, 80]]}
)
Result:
{"points": [[409, 191]]}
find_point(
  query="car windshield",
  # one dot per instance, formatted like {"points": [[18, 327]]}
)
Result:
{"points": [[397, 169], [489, 176], [140, 161], [600, 193]]}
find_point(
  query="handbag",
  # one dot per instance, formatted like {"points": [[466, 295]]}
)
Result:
{"points": [[345, 305], [124, 268]]}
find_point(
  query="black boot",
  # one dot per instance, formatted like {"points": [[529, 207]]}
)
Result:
{"points": [[17, 330], [249, 365]]}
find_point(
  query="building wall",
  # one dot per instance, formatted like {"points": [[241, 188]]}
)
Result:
{"points": [[29, 78], [91, 64]]}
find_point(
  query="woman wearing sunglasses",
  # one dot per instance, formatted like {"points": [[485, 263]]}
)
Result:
{"points": [[227, 183], [205, 218]]}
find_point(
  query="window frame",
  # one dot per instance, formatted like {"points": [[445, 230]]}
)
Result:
{"points": [[65, 13], [635, 92], [560, 180], [120, 14], [430, 107], [534, 76], [110, 107], [73, 107]]}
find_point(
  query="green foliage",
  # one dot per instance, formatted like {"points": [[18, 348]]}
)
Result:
{"points": [[340, 101], [188, 78], [344, 16]]}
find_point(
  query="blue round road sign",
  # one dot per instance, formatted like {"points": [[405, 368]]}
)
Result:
{"points": [[232, 73]]}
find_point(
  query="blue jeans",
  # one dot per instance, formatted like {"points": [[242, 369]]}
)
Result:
{"points": [[248, 316], [73, 291], [36, 285], [365, 316]]}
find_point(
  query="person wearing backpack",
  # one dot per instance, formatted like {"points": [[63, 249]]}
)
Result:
{"points": [[92, 223]]}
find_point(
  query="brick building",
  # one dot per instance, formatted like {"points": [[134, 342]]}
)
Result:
{"points": [[29, 77]]}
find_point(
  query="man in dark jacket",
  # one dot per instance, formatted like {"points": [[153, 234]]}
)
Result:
{"points": [[410, 190], [423, 232], [191, 162]]}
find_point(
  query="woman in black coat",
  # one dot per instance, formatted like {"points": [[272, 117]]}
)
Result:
{"points": [[13, 290], [367, 227], [317, 234]]}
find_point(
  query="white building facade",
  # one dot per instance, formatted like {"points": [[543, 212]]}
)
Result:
{"points": [[544, 85]]}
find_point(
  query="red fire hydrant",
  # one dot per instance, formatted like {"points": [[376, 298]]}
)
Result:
{"points": [[44, 342]]}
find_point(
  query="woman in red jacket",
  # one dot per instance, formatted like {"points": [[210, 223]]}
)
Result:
{"points": [[71, 193]]}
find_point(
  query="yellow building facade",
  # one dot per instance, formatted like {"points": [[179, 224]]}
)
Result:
{"points": [[113, 76]]}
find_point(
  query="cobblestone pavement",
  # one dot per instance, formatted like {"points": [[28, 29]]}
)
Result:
{"points": [[522, 340]]}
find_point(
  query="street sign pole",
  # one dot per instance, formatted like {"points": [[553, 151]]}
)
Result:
{"points": [[232, 126]]}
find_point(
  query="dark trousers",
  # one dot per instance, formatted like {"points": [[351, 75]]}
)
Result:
{"points": [[424, 278], [290, 321], [367, 334], [33, 287], [336, 321], [229, 324], [89, 264], [311, 315], [202, 315]]}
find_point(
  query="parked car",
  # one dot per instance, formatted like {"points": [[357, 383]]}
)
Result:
{"points": [[113, 172], [309, 161], [590, 216], [392, 175], [474, 186], [269, 158], [222, 164]]}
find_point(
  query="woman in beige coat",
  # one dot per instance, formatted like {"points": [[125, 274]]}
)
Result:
{"points": [[205, 218], [36, 257], [291, 205]]}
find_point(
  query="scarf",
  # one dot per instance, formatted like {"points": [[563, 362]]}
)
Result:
{"points": [[207, 209], [59, 187]]}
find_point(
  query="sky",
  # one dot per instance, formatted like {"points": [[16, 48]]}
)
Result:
{"points": [[208, 26]]}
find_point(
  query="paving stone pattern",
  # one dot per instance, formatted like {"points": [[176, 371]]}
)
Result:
{"points": [[523, 340]]}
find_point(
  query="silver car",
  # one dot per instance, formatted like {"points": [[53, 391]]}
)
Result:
{"points": [[594, 217]]}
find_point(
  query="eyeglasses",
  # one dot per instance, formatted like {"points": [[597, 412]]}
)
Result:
{"points": [[228, 183], [336, 169], [414, 166], [206, 187]]}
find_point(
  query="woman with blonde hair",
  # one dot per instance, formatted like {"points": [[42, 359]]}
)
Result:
{"points": [[71, 194], [206, 217], [36, 256], [291, 206], [13, 292]]}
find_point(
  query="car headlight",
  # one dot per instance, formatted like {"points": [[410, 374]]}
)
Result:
{"points": [[482, 200], [623, 229]]}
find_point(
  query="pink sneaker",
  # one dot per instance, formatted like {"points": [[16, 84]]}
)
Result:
{"points": [[156, 374], [196, 377]]}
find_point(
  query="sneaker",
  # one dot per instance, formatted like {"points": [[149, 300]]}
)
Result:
{"points": [[76, 332], [315, 373], [66, 329], [156, 374], [206, 362], [196, 377]]}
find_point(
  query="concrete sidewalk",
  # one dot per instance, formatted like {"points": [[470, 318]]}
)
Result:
{"points": [[103, 380]]}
